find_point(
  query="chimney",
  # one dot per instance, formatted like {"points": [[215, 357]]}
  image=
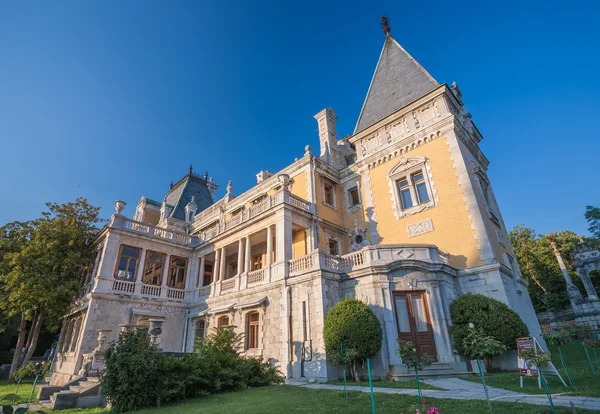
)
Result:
{"points": [[327, 135], [263, 175]]}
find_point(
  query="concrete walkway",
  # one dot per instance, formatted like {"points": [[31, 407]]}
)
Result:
{"points": [[464, 390]]}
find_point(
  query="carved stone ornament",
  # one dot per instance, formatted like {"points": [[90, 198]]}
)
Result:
{"points": [[284, 179], [421, 227], [358, 238], [119, 206]]}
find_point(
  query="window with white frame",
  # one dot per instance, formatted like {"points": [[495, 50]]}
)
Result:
{"points": [[252, 329], [353, 196], [333, 247], [411, 186], [328, 192]]}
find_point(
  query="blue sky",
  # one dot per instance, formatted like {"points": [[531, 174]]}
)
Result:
{"points": [[112, 100]]}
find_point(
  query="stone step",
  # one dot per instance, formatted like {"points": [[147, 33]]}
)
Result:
{"points": [[91, 401]]}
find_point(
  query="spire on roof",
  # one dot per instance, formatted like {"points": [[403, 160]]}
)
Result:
{"points": [[398, 80], [385, 24]]}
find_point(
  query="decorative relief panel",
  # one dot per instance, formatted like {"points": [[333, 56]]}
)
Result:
{"points": [[421, 227]]}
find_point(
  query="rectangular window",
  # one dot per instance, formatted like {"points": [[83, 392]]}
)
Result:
{"points": [[333, 247], [127, 264], [353, 196], [153, 268], [208, 274], [413, 190], [421, 187], [329, 197], [252, 330], [177, 270], [405, 197], [257, 262]]}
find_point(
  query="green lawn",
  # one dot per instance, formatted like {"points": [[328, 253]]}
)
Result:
{"points": [[24, 390], [284, 398], [388, 384], [574, 355]]}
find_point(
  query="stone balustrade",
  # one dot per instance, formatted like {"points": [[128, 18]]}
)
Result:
{"points": [[124, 287], [368, 256], [121, 222]]}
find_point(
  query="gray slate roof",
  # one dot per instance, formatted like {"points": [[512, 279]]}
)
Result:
{"points": [[398, 80], [181, 194]]}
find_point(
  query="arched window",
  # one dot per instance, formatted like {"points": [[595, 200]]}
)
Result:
{"points": [[200, 329], [223, 321], [252, 321]]}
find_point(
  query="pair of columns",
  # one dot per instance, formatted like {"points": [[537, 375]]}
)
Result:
{"points": [[244, 258]]}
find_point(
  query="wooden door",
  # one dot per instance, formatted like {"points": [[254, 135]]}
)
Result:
{"points": [[413, 321]]}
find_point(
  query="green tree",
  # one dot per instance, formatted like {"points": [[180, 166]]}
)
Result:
{"points": [[540, 268], [592, 215], [41, 264], [354, 326]]}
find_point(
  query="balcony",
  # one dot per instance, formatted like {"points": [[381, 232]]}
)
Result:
{"points": [[369, 256], [124, 287], [241, 214], [124, 223]]}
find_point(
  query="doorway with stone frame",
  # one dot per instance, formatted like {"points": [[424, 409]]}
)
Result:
{"points": [[413, 321]]}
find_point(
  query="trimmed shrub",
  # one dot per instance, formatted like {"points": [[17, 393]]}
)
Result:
{"points": [[352, 324], [492, 316]]}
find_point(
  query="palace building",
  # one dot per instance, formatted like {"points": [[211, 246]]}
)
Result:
{"points": [[401, 215]]}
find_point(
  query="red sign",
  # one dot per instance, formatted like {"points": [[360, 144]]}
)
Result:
{"points": [[526, 368]]}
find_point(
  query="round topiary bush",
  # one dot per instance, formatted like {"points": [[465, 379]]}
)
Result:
{"points": [[492, 316], [354, 325]]}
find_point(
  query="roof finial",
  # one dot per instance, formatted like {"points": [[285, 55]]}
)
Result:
{"points": [[385, 24], [190, 169]]}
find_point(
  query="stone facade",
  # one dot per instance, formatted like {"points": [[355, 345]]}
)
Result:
{"points": [[400, 215]]}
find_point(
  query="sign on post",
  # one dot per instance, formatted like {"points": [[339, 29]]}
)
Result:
{"points": [[526, 367]]}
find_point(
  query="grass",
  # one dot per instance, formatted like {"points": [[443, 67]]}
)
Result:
{"points": [[285, 398], [574, 354], [24, 390], [388, 384]]}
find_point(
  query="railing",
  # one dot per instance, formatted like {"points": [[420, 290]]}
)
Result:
{"points": [[202, 221], [123, 286], [368, 256], [178, 294], [299, 203], [150, 290], [204, 291], [353, 260], [122, 222], [301, 264], [227, 284], [256, 276]]}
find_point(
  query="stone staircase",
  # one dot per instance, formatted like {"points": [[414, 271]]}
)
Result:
{"points": [[82, 392], [434, 371]]}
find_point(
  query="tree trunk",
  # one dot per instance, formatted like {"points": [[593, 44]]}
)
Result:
{"points": [[34, 339], [31, 328], [20, 342], [355, 371]]}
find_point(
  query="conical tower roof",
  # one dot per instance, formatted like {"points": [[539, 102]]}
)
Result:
{"points": [[398, 80]]}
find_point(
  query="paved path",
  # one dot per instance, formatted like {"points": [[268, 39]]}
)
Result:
{"points": [[464, 390]]}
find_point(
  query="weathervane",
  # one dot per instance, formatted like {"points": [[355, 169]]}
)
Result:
{"points": [[385, 24]]}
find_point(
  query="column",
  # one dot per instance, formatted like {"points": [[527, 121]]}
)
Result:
{"points": [[269, 245], [248, 265], [216, 271], [163, 289], [283, 242], [223, 263], [240, 259], [574, 293], [200, 282], [590, 290], [140, 272]]}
